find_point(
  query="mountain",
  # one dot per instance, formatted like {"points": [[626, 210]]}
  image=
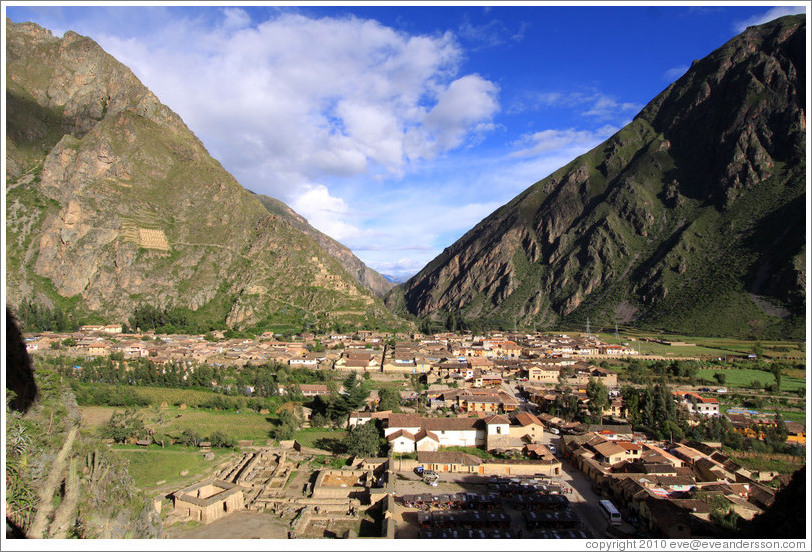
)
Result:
{"points": [[394, 279], [113, 203], [377, 283], [691, 218]]}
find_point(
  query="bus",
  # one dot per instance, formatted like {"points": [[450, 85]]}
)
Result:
{"points": [[609, 512]]}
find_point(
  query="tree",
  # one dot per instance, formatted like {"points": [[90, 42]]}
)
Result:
{"points": [[363, 440], [598, 396], [124, 425], [287, 425], [190, 438], [389, 399], [720, 377], [222, 440], [318, 419], [775, 368]]}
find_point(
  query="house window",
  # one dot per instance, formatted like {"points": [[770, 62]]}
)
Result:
{"points": [[498, 430]]}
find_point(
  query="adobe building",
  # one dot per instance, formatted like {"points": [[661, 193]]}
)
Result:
{"points": [[209, 500]]}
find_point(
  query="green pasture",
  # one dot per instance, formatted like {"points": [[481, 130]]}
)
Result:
{"points": [[244, 424], [742, 377], [706, 346], [149, 465], [323, 438]]}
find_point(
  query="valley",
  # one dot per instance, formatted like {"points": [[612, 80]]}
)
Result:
{"points": [[618, 351]]}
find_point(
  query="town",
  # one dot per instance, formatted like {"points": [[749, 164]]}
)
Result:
{"points": [[502, 435]]}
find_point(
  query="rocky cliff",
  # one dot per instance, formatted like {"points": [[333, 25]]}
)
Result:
{"points": [[112, 202], [691, 218], [364, 275]]}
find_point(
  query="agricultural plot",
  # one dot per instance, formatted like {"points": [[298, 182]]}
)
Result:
{"points": [[707, 346], [742, 377], [239, 425]]}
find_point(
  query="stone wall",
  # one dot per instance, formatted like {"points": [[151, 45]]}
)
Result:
{"points": [[209, 500]]}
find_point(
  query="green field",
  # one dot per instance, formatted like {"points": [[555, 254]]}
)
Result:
{"points": [[741, 377], [148, 466], [706, 346], [239, 425], [317, 437]]}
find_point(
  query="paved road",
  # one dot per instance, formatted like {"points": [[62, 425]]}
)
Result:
{"points": [[583, 500]]}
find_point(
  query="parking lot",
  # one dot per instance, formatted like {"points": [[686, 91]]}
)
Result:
{"points": [[451, 483]]}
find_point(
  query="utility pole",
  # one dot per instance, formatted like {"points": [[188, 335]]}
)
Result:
{"points": [[616, 334]]}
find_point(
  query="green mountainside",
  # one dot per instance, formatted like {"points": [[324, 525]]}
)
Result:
{"points": [[113, 203], [689, 219]]}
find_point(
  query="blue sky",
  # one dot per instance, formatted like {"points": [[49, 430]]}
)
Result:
{"points": [[395, 129]]}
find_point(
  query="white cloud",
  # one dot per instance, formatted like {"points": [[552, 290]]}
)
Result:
{"points": [[296, 100], [490, 34], [236, 18], [460, 107], [675, 72], [327, 213], [561, 141], [592, 103], [769, 15]]}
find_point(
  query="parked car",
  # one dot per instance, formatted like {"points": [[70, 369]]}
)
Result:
{"points": [[554, 430], [704, 390]]}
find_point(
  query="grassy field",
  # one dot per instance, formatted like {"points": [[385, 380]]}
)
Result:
{"points": [[763, 464], [794, 415], [240, 425], [707, 346], [741, 377], [149, 466], [317, 437]]}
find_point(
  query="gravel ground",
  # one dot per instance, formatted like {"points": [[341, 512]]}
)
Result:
{"points": [[237, 525]]}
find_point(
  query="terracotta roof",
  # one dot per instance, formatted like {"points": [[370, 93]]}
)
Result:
{"points": [[423, 434], [404, 420], [608, 449], [449, 424], [400, 433], [496, 419], [526, 419]]}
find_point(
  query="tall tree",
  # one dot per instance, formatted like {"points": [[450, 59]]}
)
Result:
{"points": [[364, 440], [598, 396]]}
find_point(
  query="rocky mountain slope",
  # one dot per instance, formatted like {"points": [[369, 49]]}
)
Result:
{"points": [[691, 218], [364, 275], [112, 203]]}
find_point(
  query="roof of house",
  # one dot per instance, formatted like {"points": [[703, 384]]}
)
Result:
{"points": [[424, 434], [400, 433], [526, 419], [398, 419], [608, 449], [496, 419]]}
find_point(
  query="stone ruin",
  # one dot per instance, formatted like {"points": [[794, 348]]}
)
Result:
{"points": [[333, 505]]}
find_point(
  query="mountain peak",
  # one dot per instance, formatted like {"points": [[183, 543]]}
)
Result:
{"points": [[691, 217]]}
